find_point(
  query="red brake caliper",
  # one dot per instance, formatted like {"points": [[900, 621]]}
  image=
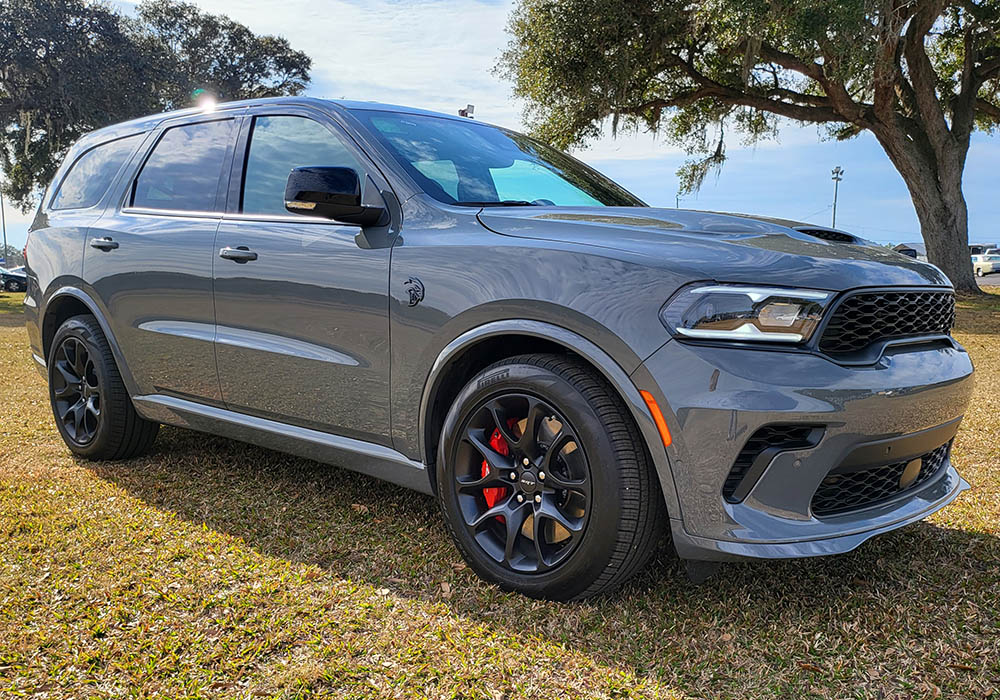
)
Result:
{"points": [[493, 494]]}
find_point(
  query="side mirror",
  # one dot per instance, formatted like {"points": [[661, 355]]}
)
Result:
{"points": [[331, 193]]}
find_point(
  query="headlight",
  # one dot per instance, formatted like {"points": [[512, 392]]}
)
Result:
{"points": [[731, 312]]}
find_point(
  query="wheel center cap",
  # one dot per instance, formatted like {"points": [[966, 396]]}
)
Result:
{"points": [[528, 482]]}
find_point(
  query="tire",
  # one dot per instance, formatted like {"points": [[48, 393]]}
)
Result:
{"points": [[979, 272], [91, 407], [600, 510], [12, 286]]}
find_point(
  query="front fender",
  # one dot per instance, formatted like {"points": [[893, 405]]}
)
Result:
{"points": [[593, 354]]}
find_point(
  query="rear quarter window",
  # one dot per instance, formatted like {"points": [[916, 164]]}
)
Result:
{"points": [[92, 173]]}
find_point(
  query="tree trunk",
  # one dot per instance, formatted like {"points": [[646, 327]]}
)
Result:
{"points": [[935, 187], [944, 223]]}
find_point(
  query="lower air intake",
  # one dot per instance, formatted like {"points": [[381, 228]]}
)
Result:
{"points": [[842, 492]]}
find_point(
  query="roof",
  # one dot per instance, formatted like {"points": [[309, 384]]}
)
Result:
{"points": [[150, 121], [383, 107]]}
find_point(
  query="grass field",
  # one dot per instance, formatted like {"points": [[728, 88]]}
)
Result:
{"points": [[215, 569]]}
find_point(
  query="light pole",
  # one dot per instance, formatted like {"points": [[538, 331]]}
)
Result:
{"points": [[3, 225], [838, 175]]}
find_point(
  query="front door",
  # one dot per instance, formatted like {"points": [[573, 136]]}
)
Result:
{"points": [[301, 303], [149, 261]]}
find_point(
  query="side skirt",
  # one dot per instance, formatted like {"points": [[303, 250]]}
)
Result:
{"points": [[357, 455]]}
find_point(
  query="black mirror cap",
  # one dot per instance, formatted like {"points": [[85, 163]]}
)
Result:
{"points": [[330, 193]]}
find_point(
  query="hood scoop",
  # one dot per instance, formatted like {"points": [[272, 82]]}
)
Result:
{"points": [[828, 234]]}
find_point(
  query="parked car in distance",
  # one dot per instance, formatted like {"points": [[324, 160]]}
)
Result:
{"points": [[13, 280], [985, 264], [980, 249], [462, 310]]}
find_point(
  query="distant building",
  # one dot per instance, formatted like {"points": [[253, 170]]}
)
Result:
{"points": [[913, 250]]}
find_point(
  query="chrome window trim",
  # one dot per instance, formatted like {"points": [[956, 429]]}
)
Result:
{"points": [[290, 219], [138, 211]]}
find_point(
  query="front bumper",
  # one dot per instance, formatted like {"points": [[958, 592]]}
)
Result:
{"points": [[715, 398]]}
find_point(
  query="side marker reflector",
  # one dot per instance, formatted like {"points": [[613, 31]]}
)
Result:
{"points": [[661, 424]]}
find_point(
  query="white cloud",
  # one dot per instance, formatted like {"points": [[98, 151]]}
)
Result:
{"points": [[426, 53]]}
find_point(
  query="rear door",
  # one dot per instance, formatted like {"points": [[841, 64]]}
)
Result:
{"points": [[149, 259], [303, 329]]}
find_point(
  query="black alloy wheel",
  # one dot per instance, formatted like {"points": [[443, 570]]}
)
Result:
{"points": [[523, 482], [545, 482], [92, 408], [76, 391]]}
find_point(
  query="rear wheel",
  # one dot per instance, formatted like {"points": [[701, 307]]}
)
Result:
{"points": [[12, 286], [544, 482], [91, 406]]}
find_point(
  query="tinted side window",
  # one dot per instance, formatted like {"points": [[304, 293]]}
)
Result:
{"points": [[184, 168], [91, 175], [279, 144]]}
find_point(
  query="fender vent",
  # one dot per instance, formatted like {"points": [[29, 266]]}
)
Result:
{"points": [[760, 449]]}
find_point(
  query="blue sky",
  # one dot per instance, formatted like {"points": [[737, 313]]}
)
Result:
{"points": [[439, 54]]}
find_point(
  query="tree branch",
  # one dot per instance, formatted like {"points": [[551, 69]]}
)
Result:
{"points": [[923, 77], [797, 97], [806, 108], [803, 113], [963, 112], [989, 69], [988, 108], [888, 80]]}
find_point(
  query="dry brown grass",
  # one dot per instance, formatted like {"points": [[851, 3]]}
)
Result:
{"points": [[214, 569]]}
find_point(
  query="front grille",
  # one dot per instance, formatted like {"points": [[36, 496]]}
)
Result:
{"points": [[828, 235], [780, 437], [841, 492], [862, 319]]}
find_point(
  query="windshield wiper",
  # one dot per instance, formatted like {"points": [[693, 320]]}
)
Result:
{"points": [[500, 203]]}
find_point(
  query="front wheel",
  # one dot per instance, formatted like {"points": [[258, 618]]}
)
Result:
{"points": [[92, 409], [979, 272], [12, 286], [544, 482]]}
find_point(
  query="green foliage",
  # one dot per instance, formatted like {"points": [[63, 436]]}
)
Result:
{"points": [[70, 66], [215, 53]]}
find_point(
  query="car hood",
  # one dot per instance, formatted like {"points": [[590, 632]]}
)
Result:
{"points": [[705, 245]]}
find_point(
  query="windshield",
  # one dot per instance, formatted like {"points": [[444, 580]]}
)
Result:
{"points": [[466, 163]]}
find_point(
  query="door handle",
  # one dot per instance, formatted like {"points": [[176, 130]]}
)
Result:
{"points": [[104, 244], [240, 254]]}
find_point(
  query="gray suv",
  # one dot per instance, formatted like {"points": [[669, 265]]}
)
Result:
{"points": [[462, 310]]}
